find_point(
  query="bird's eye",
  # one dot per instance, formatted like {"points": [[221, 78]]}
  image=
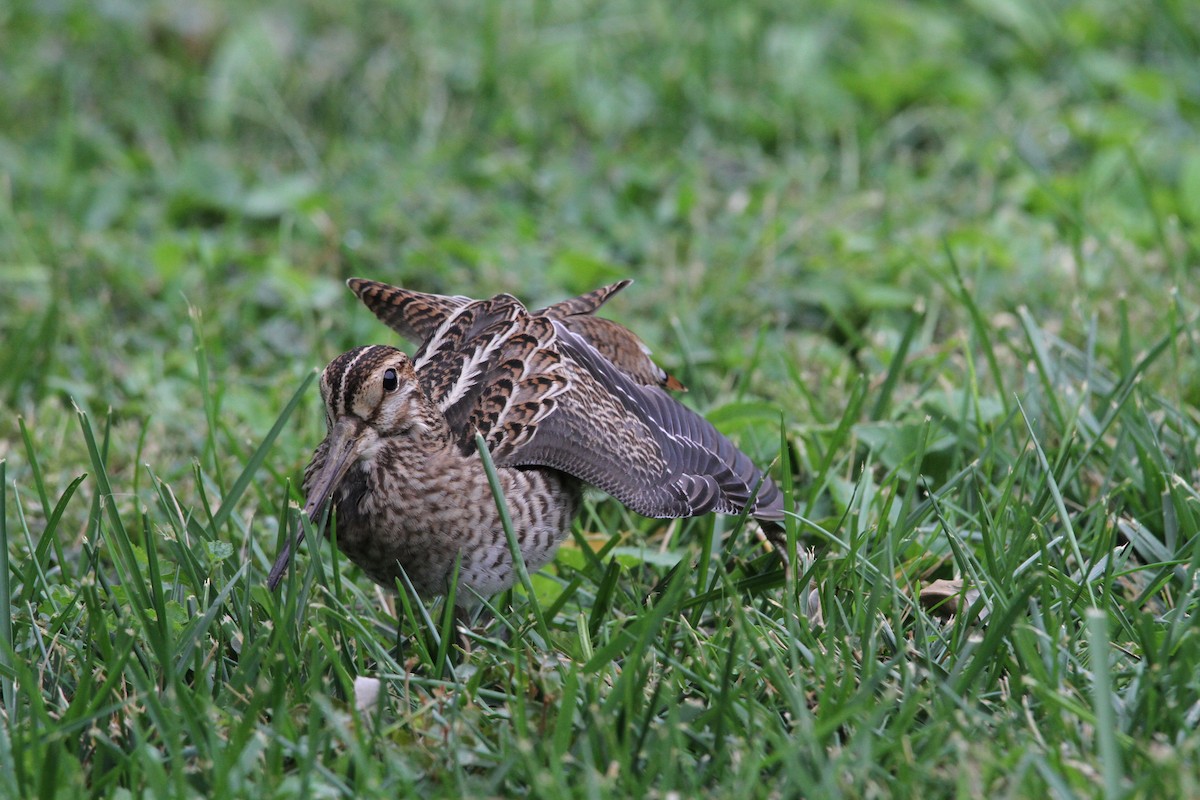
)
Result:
{"points": [[390, 380]]}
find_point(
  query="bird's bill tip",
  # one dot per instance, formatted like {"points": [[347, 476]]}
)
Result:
{"points": [[281, 562]]}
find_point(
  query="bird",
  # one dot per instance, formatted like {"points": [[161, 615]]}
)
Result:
{"points": [[562, 399]]}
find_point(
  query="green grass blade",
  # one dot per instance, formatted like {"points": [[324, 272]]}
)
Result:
{"points": [[234, 495], [1106, 720], [514, 546], [9, 697]]}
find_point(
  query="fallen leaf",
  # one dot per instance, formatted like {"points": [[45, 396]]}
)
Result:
{"points": [[945, 598]]}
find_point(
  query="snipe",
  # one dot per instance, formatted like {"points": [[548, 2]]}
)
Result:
{"points": [[562, 398]]}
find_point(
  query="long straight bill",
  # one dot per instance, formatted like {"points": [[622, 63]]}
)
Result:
{"points": [[344, 444]]}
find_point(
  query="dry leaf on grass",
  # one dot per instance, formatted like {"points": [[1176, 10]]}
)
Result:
{"points": [[945, 598]]}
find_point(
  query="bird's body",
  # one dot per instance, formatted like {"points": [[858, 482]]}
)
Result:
{"points": [[563, 399], [419, 501]]}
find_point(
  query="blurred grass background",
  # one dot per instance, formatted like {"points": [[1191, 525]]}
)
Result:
{"points": [[931, 235]]}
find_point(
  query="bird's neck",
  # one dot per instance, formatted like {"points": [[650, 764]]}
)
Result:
{"points": [[429, 432]]}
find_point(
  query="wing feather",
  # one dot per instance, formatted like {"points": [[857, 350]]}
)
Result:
{"points": [[584, 304], [413, 315]]}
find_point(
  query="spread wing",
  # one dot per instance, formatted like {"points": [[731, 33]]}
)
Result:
{"points": [[640, 445], [545, 393], [417, 316]]}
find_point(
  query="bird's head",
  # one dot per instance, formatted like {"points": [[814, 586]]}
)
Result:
{"points": [[373, 388], [371, 394]]}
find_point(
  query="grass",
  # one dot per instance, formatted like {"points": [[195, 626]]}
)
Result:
{"points": [[933, 261]]}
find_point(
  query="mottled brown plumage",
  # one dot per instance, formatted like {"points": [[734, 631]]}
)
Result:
{"points": [[562, 398], [416, 316]]}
